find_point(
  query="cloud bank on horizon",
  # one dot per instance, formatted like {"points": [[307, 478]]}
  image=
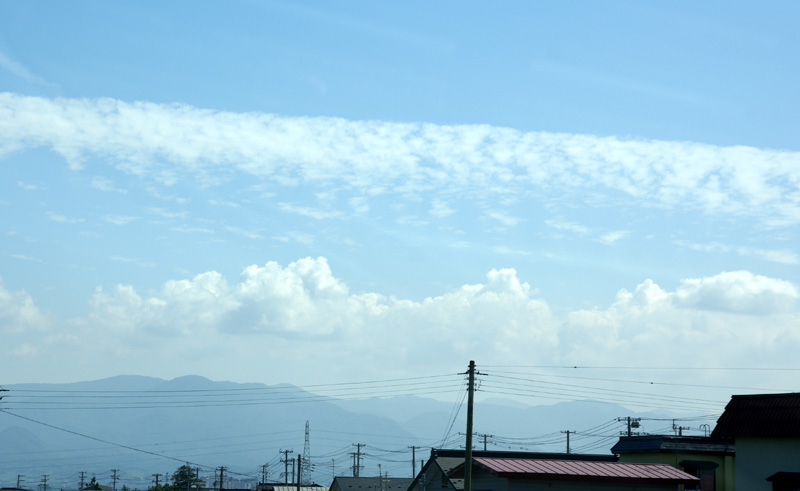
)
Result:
{"points": [[302, 313], [320, 173]]}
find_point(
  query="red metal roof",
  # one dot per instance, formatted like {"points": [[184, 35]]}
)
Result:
{"points": [[572, 469]]}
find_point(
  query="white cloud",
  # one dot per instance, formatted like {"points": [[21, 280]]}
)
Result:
{"points": [[772, 255], [18, 69], [731, 319], [25, 350], [440, 209], [508, 250], [299, 237], [119, 219], [505, 219], [304, 312], [56, 217], [28, 187], [229, 204], [132, 260], [18, 312], [565, 225], [739, 291], [306, 211], [163, 143], [26, 258], [359, 205], [106, 185], [611, 238], [244, 233]]}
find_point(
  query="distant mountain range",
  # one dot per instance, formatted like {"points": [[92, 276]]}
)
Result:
{"points": [[135, 427]]}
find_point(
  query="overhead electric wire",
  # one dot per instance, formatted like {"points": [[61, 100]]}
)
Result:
{"points": [[440, 389], [643, 382], [456, 408], [246, 389], [524, 387], [127, 447]]}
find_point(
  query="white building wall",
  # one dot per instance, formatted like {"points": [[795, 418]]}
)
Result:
{"points": [[759, 458]]}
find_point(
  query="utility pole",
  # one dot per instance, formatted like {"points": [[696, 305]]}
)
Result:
{"points": [[468, 454], [632, 423], [357, 466], [114, 478], [679, 429], [485, 436], [83, 483], [221, 477], [413, 461], [157, 476], [19, 480], [299, 469], [264, 474], [285, 461], [567, 432], [44, 482]]}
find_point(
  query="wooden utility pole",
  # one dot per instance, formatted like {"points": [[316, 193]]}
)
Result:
{"points": [[285, 461], [413, 461], [568, 432], [299, 469], [468, 455]]}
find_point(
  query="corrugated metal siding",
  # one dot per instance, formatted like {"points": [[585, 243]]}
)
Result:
{"points": [[566, 468]]}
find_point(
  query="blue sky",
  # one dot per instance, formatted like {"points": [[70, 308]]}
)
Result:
{"points": [[395, 189]]}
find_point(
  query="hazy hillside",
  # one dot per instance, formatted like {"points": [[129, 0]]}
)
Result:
{"points": [[143, 426]]}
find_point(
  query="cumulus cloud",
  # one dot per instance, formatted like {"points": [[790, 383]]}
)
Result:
{"points": [[302, 313], [19, 313], [739, 291], [303, 306], [723, 320], [164, 142]]}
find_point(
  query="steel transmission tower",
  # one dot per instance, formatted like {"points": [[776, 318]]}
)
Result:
{"points": [[305, 466]]}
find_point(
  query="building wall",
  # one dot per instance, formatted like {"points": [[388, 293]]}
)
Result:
{"points": [[434, 480], [759, 458], [724, 473], [489, 482]]}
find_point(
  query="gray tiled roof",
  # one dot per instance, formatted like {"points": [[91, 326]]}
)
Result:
{"points": [[770, 415]]}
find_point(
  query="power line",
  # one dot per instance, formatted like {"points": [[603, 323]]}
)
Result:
{"points": [[598, 367]]}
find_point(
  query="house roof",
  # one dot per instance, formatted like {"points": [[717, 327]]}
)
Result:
{"points": [[672, 444], [762, 415], [582, 470], [448, 459], [303, 487], [459, 454], [372, 483]]}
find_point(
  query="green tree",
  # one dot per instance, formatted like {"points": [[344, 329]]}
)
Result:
{"points": [[93, 484], [160, 487], [185, 478]]}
